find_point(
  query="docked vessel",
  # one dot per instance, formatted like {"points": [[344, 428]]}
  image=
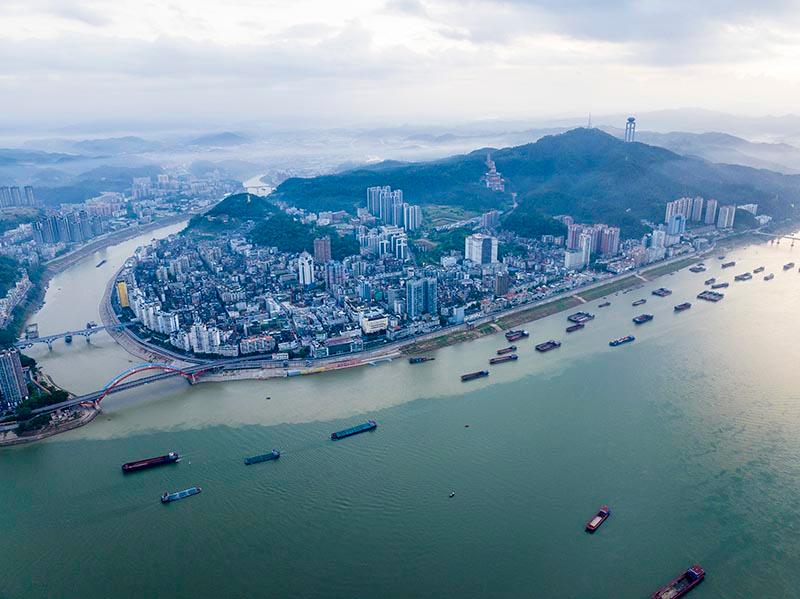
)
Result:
{"points": [[710, 296], [515, 335], [604, 305], [369, 425], [729, 264], [602, 515], [506, 350], [662, 292], [580, 317], [720, 285], [769, 277], [681, 585], [548, 345], [683, 306], [710, 281], [642, 318], [501, 359], [758, 270], [575, 327], [474, 375], [621, 340], [264, 457], [161, 460], [170, 497], [99, 264], [788, 266], [697, 268], [639, 302], [745, 276], [420, 359]]}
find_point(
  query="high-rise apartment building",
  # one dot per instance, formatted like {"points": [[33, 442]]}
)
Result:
{"points": [[725, 218], [481, 249], [322, 249], [305, 269], [711, 212], [13, 388]]}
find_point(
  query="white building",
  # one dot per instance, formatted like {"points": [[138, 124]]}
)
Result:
{"points": [[725, 218], [481, 249], [305, 269]]}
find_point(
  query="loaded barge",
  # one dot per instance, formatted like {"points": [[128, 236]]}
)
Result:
{"points": [[682, 307], [788, 266], [161, 460], [681, 585], [516, 335], [710, 296], [602, 515], [548, 345], [506, 350], [420, 359], [729, 264], [769, 277], [758, 270], [170, 497], [639, 302], [502, 359], [662, 292], [642, 318], [720, 285], [580, 317], [369, 425], [621, 340], [264, 457], [575, 327], [471, 376], [745, 276]]}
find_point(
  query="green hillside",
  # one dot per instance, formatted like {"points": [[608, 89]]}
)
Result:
{"points": [[587, 173]]}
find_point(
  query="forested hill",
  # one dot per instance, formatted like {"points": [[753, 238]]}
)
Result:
{"points": [[584, 172]]}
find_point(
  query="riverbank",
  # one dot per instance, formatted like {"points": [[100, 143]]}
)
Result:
{"points": [[9, 437]]}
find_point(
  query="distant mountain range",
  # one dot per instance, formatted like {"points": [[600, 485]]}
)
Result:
{"points": [[587, 173], [224, 139]]}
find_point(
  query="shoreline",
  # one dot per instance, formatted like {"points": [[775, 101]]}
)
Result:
{"points": [[9, 438]]}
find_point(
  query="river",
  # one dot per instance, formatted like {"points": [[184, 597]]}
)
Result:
{"points": [[691, 434]]}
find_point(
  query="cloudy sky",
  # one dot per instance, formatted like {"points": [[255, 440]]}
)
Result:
{"points": [[342, 62]]}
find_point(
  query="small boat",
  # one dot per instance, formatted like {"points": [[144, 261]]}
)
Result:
{"points": [[99, 264], [729, 264], [602, 515], [720, 285], [420, 359], [470, 376], [170, 497], [769, 277], [575, 327], [161, 460], [758, 270], [452, 494], [662, 292], [604, 305], [721, 257], [745, 276], [639, 302], [642, 318], [506, 350], [681, 585], [264, 457], [788, 266], [502, 359], [682, 307], [548, 345], [710, 281], [697, 268], [621, 340]]}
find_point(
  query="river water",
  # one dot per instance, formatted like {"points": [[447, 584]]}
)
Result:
{"points": [[691, 434]]}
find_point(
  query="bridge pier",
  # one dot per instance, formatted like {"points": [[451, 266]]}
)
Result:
{"points": [[50, 345]]}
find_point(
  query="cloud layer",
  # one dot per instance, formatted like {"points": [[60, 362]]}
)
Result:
{"points": [[407, 60]]}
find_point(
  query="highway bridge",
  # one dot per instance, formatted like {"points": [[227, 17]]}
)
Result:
{"points": [[86, 333]]}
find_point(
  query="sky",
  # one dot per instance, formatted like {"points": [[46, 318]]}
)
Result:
{"points": [[343, 62]]}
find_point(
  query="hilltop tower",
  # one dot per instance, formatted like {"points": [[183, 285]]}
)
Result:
{"points": [[630, 129]]}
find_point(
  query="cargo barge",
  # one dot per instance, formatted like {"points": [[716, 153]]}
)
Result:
{"points": [[420, 359], [621, 340], [769, 277], [642, 318], [604, 305], [502, 359], [506, 350], [682, 307], [602, 515], [369, 425], [170, 497], [516, 335], [161, 460], [745, 276], [681, 585], [662, 292], [548, 345], [264, 457], [639, 302], [720, 285], [580, 317], [575, 327], [710, 281], [758, 270], [729, 264], [471, 376], [697, 268], [788, 266], [710, 296]]}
